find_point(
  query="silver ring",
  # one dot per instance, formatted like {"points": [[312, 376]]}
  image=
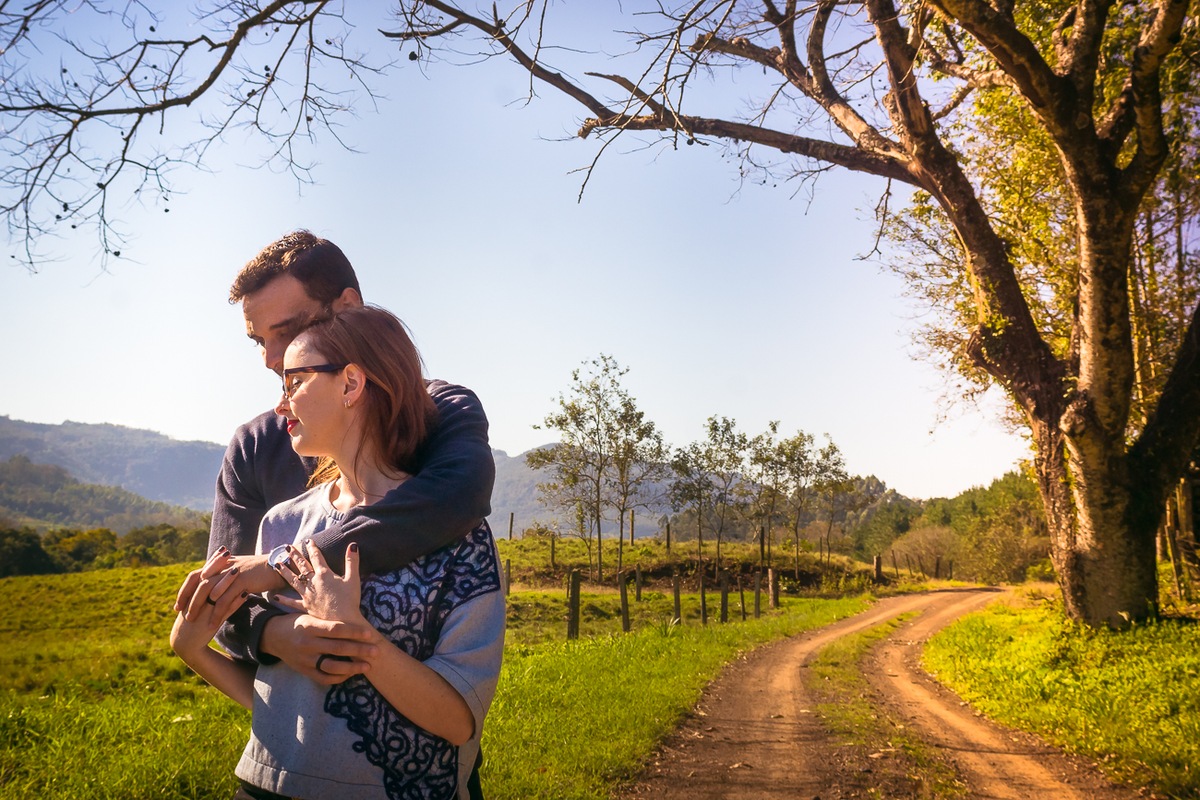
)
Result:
{"points": [[321, 659]]}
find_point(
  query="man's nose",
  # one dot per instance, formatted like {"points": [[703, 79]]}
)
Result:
{"points": [[273, 357]]}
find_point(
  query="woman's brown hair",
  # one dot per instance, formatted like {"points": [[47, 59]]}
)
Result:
{"points": [[398, 413]]}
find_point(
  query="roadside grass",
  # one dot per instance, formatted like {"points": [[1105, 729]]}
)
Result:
{"points": [[93, 703], [908, 766], [1130, 699]]}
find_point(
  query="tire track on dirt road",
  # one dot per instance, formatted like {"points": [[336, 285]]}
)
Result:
{"points": [[754, 735], [996, 761]]}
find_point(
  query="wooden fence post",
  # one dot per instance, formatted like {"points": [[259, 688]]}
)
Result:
{"points": [[741, 596], [895, 566], [573, 605], [631, 527], [703, 600], [668, 537], [937, 567], [878, 564], [637, 582], [724, 597], [675, 580], [758, 594], [511, 516], [623, 582], [553, 539], [772, 589], [507, 576]]}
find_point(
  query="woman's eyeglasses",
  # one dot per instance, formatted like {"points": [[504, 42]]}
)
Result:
{"points": [[291, 383]]}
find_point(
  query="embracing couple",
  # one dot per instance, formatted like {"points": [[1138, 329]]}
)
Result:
{"points": [[352, 581]]}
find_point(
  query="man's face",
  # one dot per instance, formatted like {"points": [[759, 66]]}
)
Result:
{"points": [[275, 314]]}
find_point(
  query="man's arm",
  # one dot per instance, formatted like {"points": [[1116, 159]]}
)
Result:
{"points": [[237, 512], [442, 503]]}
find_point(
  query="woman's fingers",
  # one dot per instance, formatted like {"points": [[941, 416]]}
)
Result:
{"points": [[352, 563], [216, 562], [315, 555]]}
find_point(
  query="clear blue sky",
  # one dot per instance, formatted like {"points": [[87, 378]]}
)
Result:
{"points": [[460, 214]]}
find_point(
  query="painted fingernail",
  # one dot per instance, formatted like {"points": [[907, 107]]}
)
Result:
{"points": [[354, 547], [222, 549], [245, 594], [233, 571]]}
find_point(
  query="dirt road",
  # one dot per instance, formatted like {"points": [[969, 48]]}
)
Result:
{"points": [[754, 733]]}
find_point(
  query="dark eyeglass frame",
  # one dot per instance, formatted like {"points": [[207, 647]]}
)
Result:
{"points": [[311, 368]]}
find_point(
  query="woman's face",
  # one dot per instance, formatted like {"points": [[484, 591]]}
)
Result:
{"points": [[312, 401]]}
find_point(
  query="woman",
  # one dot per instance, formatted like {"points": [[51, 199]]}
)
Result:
{"points": [[410, 725]]}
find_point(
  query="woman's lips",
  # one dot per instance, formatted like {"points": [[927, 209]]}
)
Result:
{"points": [[292, 423]]}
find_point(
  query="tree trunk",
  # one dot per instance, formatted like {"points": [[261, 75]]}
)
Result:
{"points": [[1106, 568]]}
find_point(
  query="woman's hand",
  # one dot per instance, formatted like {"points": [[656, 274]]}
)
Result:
{"points": [[197, 623], [324, 593]]}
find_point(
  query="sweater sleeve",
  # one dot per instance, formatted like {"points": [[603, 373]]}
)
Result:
{"points": [[238, 510], [442, 503]]}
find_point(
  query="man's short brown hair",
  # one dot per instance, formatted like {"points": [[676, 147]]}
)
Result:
{"points": [[319, 264]]}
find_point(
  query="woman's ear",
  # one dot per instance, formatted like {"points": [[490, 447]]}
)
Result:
{"points": [[354, 383]]}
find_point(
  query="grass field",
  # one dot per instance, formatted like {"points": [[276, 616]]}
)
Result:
{"points": [[93, 703]]}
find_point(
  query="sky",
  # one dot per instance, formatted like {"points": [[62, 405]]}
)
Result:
{"points": [[460, 212]]}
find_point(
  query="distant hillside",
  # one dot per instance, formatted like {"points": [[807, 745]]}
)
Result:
{"points": [[44, 496], [146, 463], [184, 473], [516, 492]]}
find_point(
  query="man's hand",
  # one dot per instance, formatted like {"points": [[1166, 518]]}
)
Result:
{"points": [[300, 641]]}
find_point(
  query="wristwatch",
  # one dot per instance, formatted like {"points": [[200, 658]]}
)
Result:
{"points": [[282, 557]]}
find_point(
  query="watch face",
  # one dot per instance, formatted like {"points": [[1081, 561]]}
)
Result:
{"points": [[281, 557]]}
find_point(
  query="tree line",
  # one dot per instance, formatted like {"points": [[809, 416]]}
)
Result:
{"points": [[789, 493], [25, 551]]}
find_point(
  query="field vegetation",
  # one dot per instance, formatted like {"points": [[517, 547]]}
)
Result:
{"points": [[93, 704]]}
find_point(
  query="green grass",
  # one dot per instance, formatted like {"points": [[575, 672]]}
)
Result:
{"points": [[93, 704], [909, 766], [1130, 700]]}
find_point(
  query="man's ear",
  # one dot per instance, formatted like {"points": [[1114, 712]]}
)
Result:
{"points": [[354, 383], [349, 298]]}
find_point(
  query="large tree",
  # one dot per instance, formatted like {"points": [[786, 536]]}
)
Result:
{"points": [[869, 86]]}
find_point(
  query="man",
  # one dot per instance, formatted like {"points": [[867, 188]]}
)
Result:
{"points": [[291, 282]]}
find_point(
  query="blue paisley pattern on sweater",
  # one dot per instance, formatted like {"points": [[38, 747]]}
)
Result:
{"points": [[409, 607]]}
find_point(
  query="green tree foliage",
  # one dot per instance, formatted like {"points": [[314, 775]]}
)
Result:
{"points": [[21, 553], [26, 552], [75, 550], [993, 534]]}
